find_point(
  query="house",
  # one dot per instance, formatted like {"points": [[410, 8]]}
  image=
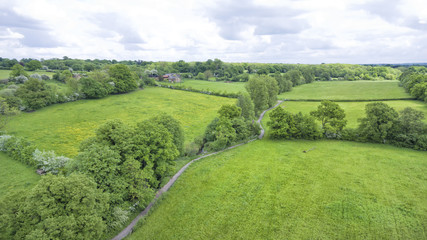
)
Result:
{"points": [[172, 77]]}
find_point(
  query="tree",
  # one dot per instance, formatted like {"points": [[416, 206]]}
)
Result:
{"points": [[33, 65], [229, 111], [94, 89], [258, 90], [296, 77], [410, 121], [174, 127], [282, 124], [6, 112], [34, 94], [17, 70], [124, 80], [245, 103], [58, 207], [273, 90], [378, 122], [331, 115]]}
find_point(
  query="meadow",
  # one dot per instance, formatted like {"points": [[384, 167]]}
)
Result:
{"points": [[272, 190], [15, 176], [229, 87], [62, 127], [347, 90], [353, 110]]}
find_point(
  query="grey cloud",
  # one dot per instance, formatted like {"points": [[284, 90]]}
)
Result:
{"points": [[233, 18], [389, 11], [35, 33], [111, 23]]}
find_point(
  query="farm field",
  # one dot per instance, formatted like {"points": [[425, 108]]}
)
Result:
{"points": [[62, 127], [234, 87], [339, 190], [353, 110], [347, 90], [15, 175]]}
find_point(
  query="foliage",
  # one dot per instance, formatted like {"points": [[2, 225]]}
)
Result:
{"points": [[57, 208], [34, 94], [174, 127], [20, 150], [124, 80], [17, 70], [229, 111], [257, 88], [245, 103], [378, 123], [49, 162], [6, 112], [33, 65], [414, 80], [285, 125], [94, 89], [332, 118]]}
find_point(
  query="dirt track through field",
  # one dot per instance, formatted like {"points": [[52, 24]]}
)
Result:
{"points": [[166, 187]]}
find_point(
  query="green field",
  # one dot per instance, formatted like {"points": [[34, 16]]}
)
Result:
{"points": [[347, 90], [4, 74], [272, 190], [233, 87], [353, 110], [62, 127], [15, 175]]}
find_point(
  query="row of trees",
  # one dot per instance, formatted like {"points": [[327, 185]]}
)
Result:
{"points": [[214, 68], [382, 124], [414, 80], [116, 171]]}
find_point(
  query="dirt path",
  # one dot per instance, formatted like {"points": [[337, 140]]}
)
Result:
{"points": [[166, 187]]}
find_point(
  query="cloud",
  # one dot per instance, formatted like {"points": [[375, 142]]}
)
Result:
{"points": [[33, 32], [238, 21]]}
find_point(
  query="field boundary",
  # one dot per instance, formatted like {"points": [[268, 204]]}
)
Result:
{"points": [[125, 232], [348, 100]]}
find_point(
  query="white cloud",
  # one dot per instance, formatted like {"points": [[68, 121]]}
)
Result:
{"points": [[305, 31]]}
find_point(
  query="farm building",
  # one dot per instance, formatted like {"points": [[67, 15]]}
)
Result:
{"points": [[172, 77]]}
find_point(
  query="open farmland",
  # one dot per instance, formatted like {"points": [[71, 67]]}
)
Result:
{"points": [[339, 190], [347, 90], [62, 127]]}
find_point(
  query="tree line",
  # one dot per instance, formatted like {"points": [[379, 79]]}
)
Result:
{"points": [[414, 80], [381, 124]]}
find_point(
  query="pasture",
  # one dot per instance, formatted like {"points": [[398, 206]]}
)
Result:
{"points": [[229, 87], [62, 127], [347, 90], [272, 190], [15, 175]]}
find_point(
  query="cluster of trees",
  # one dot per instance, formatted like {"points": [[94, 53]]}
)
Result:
{"points": [[382, 124], [235, 123], [116, 171], [414, 80], [263, 91], [33, 92]]}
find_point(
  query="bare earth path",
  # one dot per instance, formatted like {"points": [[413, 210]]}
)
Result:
{"points": [[166, 187]]}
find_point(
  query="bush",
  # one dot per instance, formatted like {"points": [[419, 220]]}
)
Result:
{"points": [[36, 76], [49, 162], [21, 150], [20, 79]]}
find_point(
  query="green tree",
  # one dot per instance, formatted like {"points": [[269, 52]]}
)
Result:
{"points": [[17, 70], [124, 80], [245, 103], [6, 112], [33, 65], [58, 207], [296, 77], [34, 94], [331, 116], [94, 89], [378, 123], [282, 124], [258, 90], [272, 89], [229, 111], [174, 127]]}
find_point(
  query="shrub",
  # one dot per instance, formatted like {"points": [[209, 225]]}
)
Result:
{"points": [[49, 162]]}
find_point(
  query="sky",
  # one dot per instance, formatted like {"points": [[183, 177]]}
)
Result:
{"points": [[269, 31]]}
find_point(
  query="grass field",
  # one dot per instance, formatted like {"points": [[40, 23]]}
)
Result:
{"points": [[4, 74], [347, 90], [234, 87], [353, 110], [62, 127], [272, 190], [15, 175]]}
